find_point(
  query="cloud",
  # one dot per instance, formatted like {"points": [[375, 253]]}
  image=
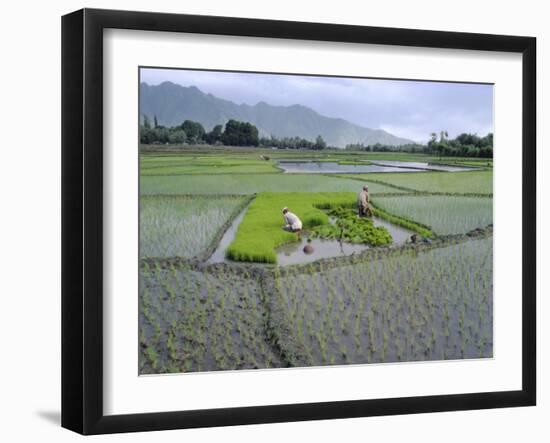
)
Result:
{"points": [[411, 109]]}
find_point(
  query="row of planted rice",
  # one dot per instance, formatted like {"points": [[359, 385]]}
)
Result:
{"points": [[196, 321], [183, 225], [403, 306], [251, 183], [400, 306], [444, 214]]}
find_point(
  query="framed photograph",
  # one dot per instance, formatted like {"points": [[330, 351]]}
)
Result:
{"points": [[268, 221]]}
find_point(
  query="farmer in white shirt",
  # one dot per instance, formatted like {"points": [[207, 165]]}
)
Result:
{"points": [[292, 222]]}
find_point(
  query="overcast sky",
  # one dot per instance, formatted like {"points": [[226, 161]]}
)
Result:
{"points": [[411, 109]]}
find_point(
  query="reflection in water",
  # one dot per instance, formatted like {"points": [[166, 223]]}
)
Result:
{"points": [[333, 168], [293, 253], [423, 166], [378, 166]]}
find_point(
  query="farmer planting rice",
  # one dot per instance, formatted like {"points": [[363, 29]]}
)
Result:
{"points": [[363, 202], [292, 222]]}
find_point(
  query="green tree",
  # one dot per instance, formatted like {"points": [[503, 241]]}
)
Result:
{"points": [[240, 134], [215, 135], [146, 122], [177, 136], [146, 135], [319, 143], [193, 130]]}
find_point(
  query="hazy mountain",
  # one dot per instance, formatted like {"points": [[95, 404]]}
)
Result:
{"points": [[172, 104]]}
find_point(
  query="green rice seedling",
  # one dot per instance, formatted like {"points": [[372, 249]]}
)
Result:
{"points": [[261, 230], [152, 355], [182, 226], [175, 165], [352, 229], [247, 184], [471, 182], [444, 214]]}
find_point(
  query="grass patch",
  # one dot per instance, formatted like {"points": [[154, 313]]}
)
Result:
{"points": [[261, 231]]}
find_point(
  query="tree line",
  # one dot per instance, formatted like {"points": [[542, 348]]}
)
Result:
{"points": [[463, 145], [293, 143], [235, 133]]}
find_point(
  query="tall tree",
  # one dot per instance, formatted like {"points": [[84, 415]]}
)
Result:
{"points": [[146, 122], [319, 143], [194, 130]]}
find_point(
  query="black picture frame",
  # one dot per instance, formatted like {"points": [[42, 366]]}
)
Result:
{"points": [[82, 219]]}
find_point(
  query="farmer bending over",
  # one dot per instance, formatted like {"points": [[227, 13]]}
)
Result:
{"points": [[292, 222], [363, 202]]}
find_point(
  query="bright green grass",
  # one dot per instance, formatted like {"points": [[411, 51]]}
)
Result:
{"points": [[251, 183], [182, 226], [261, 230], [444, 214], [176, 165], [474, 182]]}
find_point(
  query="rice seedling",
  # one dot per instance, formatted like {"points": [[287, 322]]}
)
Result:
{"points": [[251, 183], [399, 307], [352, 229], [225, 332], [182, 226], [470, 182], [191, 164], [261, 230], [444, 214]]}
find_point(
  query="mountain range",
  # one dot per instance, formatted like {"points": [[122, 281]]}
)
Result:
{"points": [[172, 104]]}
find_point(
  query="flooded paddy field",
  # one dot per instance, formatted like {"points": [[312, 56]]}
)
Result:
{"points": [[400, 305], [433, 305], [325, 167], [182, 225], [345, 301], [198, 321]]}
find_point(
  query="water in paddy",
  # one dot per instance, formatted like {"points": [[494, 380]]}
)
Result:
{"points": [[421, 166], [402, 306], [218, 255], [293, 253], [378, 166], [335, 168]]}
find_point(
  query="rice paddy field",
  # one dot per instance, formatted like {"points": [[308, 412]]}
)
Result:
{"points": [[427, 300], [443, 214], [474, 182], [183, 225], [252, 183]]}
